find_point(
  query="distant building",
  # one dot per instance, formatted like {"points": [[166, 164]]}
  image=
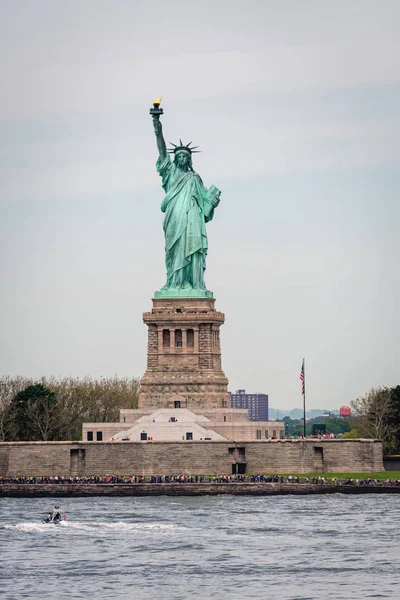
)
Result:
{"points": [[327, 415], [345, 411], [257, 404]]}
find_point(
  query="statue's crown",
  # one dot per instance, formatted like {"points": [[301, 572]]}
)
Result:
{"points": [[182, 148]]}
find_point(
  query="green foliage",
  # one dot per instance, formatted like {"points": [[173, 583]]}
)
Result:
{"points": [[351, 435], [33, 393], [334, 425], [395, 397], [34, 411], [54, 409], [293, 426], [377, 415]]}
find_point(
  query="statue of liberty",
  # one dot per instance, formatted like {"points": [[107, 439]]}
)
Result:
{"points": [[188, 206]]}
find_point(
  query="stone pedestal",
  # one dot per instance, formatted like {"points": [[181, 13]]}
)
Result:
{"points": [[184, 356]]}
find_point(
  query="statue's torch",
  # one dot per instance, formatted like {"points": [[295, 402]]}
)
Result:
{"points": [[156, 111]]}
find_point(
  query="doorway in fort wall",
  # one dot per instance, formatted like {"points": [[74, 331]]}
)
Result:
{"points": [[318, 459], [238, 460], [77, 461]]}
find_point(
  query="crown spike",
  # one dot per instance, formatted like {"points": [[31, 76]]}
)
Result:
{"points": [[181, 147]]}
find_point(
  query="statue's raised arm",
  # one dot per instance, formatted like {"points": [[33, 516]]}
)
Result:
{"points": [[188, 205], [156, 112]]}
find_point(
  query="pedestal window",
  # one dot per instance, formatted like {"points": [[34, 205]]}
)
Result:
{"points": [[178, 338], [190, 339], [166, 338]]}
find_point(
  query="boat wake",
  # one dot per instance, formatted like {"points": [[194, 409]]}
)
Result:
{"points": [[32, 527]]}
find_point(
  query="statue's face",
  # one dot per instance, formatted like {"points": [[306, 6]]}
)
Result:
{"points": [[183, 159]]}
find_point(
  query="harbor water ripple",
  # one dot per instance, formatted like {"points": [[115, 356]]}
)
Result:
{"points": [[173, 548]]}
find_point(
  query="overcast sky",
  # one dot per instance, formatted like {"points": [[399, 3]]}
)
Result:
{"points": [[295, 105]]}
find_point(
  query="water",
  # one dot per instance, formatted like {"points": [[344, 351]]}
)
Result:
{"points": [[286, 547]]}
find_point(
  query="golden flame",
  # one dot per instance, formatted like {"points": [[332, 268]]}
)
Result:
{"points": [[157, 102]]}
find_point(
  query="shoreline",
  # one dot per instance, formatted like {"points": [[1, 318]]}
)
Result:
{"points": [[12, 490]]}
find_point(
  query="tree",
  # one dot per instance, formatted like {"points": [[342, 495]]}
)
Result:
{"points": [[351, 435], [395, 396], [54, 409], [293, 427], [376, 417], [35, 414], [88, 400], [9, 387], [6, 421], [333, 424]]}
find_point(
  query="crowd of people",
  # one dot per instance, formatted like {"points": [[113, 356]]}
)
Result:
{"points": [[140, 479]]}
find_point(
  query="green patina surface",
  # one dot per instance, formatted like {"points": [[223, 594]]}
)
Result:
{"points": [[188, 205], [165, 293]]}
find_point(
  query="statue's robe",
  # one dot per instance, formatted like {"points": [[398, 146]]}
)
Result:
{"points": [[188, 206]]}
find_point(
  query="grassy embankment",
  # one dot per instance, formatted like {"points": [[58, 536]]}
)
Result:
{"points": [[382, 476]]}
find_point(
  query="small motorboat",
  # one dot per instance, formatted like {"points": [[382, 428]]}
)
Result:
{"points": [[54, 517], [50, 519]]}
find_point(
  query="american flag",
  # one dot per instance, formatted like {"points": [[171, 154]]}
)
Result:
{"points": [[302, 378]]}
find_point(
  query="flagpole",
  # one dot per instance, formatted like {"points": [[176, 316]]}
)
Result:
{"points": [[304, 397]]}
